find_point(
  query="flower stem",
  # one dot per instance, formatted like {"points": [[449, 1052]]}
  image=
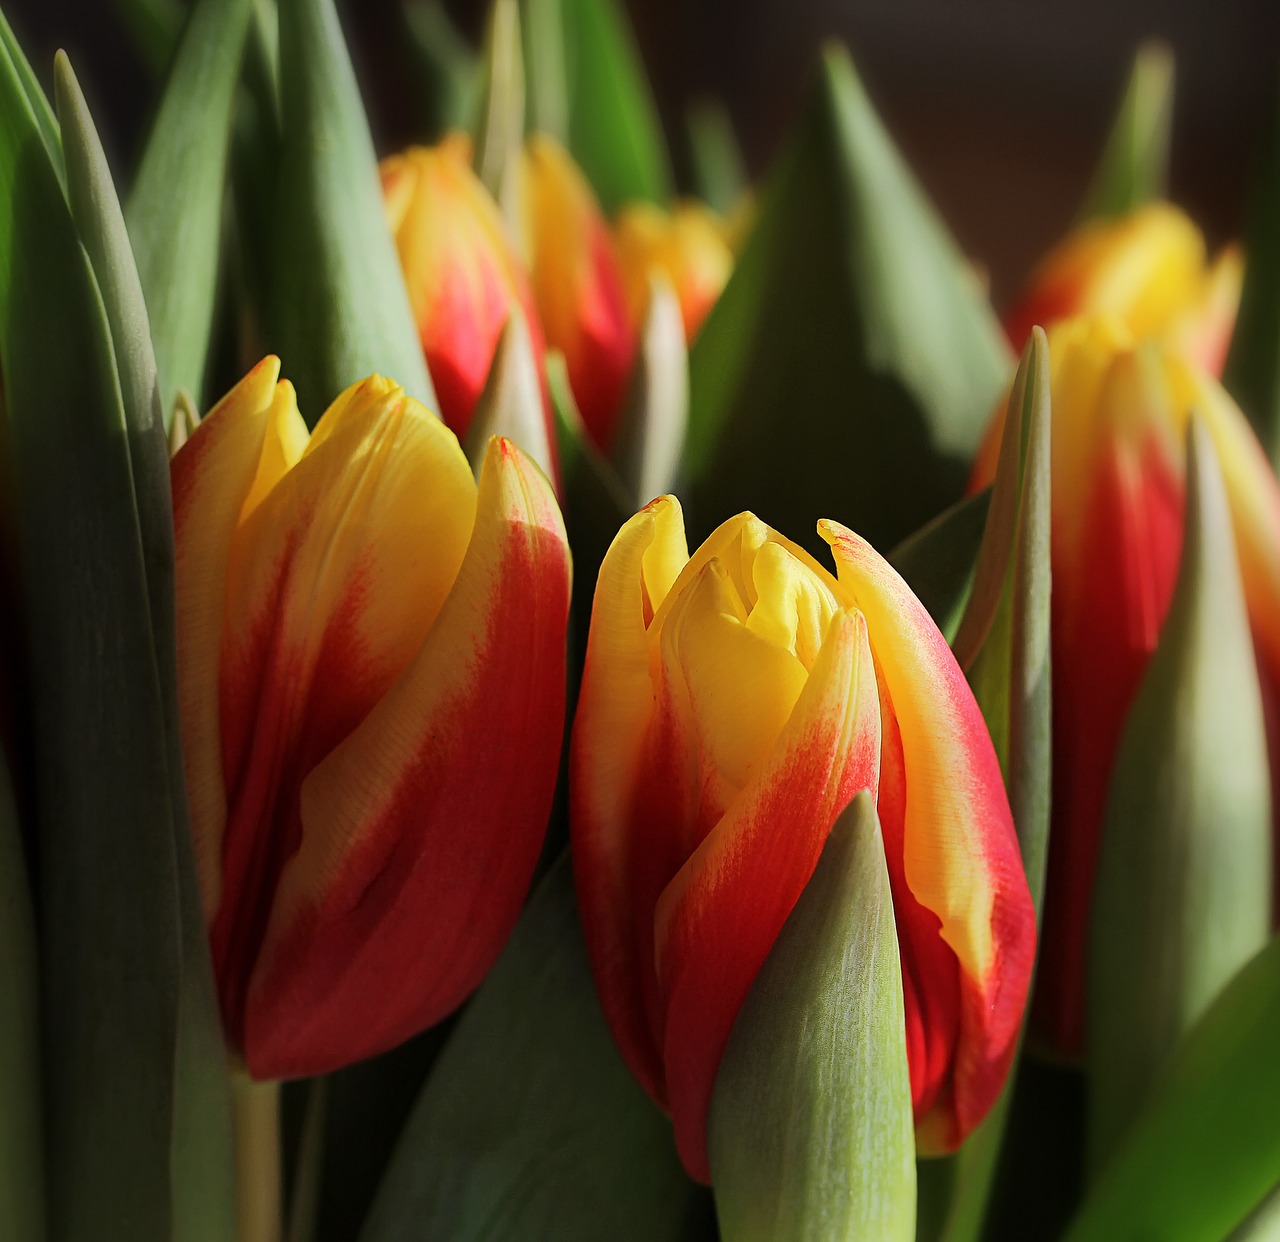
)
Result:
{"points": [[256, 1115]]}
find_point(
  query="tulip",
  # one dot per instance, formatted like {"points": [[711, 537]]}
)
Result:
{"points": [[576, 284], [732, 705], [690, 244], [1120, 410], [461, 272], [365, 637], [1148, 269]]}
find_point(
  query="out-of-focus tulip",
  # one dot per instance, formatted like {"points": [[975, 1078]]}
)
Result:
{"points": [[732, 705], [1150, 270], [690, 243], [1120, 408], [576, 284], [462, 275], [365, 637]]}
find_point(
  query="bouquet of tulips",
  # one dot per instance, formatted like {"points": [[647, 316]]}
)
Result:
{"points": [[434, 805]]}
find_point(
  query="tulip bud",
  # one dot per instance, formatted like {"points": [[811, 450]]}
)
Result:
{"points": [[462, 277], [732, 705], [689, 244], [811, 1132], [1120, 416], [1147, 268], [364, 637], [576, 284]]}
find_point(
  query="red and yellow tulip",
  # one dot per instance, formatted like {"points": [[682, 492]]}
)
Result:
{"points": [[365, 636], [461, 272], [1120, 409], [732, 704], [576, 284], [1150, 270], [690, 244]]}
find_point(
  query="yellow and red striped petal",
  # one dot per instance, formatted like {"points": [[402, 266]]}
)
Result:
{"points": [[213, 475], [576, 284], [949, 836], [413, 859], [334, 580], [718, 918]]}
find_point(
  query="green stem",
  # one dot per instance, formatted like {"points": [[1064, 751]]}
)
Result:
{"points": [[256, 1113]]}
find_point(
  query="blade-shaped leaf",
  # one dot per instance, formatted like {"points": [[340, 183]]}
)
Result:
{"points": [[720, 176], [499, 136], [811, 1133], [39, 104], [1182, 894], [851, 364], [447, 70], [1205, 1150], [555, 1141], [340, 308], [1135, 161], [108, 886], [174, 210], [22, 1209]]}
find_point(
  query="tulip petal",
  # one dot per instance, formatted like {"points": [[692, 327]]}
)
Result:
{"points": [[212, 476], [717, 920], [420, 830], [614, 709], [949, 816], [333, 583]]}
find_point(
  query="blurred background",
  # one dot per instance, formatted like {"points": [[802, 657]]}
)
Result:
{"points": [[1000, 105]]}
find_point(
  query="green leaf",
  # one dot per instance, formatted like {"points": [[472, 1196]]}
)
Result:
{"points": [[204, 1186], [1252, 372], [811, 1134], [22, 1208], [1205, 1150], [447, 70], [499, 134], [1134, 168], [174, 210], [1182, 893], [154, 27], [341, 311], [608, 114], [36, 100], [938, 562], [530, 1125], [108, 902], [719, 174], [851, 364], [1263, 1223], [655, 407]]}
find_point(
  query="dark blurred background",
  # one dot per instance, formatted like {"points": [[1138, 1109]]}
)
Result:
{"points": [[1000, 105]]}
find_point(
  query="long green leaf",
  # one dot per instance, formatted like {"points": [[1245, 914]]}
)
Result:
{"points": [[36, 99], [340, 308], [447, 70], [811, 1133], [1182, 891], [22, 1206], [174, 210], [108, 886], [851, 364], [720, 175], [1206, 1149], [530, 1125]]}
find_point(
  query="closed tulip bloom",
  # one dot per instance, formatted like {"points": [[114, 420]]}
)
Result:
{"points": [[1150, 270], [462, 275], [576, 284], [365, 637], [690, 244], [732, 705], [1120, 409]]}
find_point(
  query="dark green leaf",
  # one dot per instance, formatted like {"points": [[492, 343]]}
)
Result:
{"points": [[174, 211], [1182, 893], [108, 886], [1205, 1150], [447, 71], [154, 27], [36, 99], [1135, 162], [719, 175], [530, 1125], [22, 1208], [340, 308], [811, 1134], [852, 363]]}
